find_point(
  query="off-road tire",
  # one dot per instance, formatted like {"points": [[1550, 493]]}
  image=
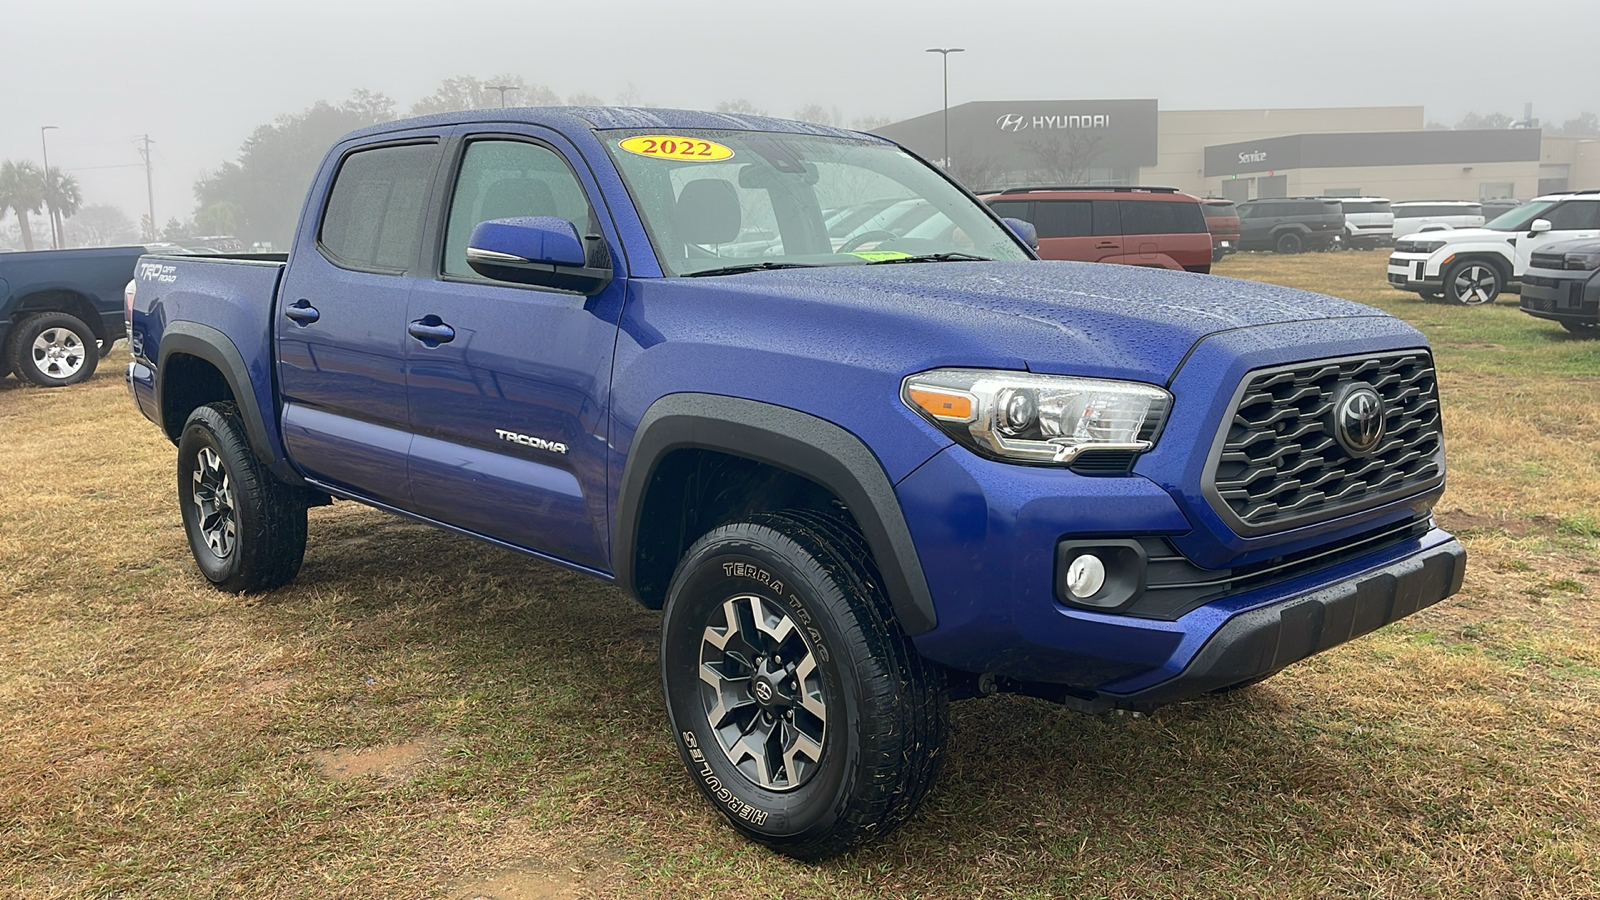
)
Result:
{"points": [[265, 517], [1472, 282], [52, 349], [1288, 242], [886, 708]]}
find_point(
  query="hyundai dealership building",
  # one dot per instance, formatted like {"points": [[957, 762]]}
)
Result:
{"points": [[1246, 153]]}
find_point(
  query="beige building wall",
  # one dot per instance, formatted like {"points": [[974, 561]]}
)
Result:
{"points": [[1184, 134], [1576, 158]]}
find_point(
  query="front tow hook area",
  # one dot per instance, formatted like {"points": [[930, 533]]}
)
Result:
{"points": [[431, 331]]}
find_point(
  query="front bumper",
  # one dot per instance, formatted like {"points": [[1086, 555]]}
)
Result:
{"points": [[1566, 297], [1409, 272], [1261, 641]]}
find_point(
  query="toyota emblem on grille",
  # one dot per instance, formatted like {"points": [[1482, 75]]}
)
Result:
{"points": [[1358, 420]]}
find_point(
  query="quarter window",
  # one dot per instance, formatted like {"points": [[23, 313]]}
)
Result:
{"points": [[374, 213], [1161, 217], [505, 180]]}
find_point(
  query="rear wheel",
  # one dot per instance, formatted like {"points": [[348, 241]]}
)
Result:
{"points": [[53, 350], [800, 707], [246, 529], [1472, 283], [1288, 242]]}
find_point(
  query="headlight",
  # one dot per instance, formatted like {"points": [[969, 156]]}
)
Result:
{"points": [[1041, 419], [1419, 246], [1582, 260]]}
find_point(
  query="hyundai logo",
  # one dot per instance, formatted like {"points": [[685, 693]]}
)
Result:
{"points": [[1358, 420]]}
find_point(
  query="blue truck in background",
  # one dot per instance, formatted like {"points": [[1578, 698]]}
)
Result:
{"points": [[862, 474], [62, 310]]}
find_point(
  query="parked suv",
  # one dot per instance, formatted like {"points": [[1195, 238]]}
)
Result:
{"points": [[1290, 224], [1137, 226], [1368, 221], [1222, 220], [1472, 266], [1435, 215], [1562, 284]]}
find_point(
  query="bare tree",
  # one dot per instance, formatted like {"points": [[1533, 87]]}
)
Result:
{"points": [[817, 114], [630, 96], [101, 225], [869, 123], [1492, 120], [977, 173], [1585, 123], [583, 99], [1065, 160], [740, 106], [468, 92]]}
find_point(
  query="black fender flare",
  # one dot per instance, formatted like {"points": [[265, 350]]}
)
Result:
{"points": [[796, 442], [209, 344]]}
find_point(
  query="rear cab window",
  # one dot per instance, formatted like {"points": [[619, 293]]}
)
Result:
{"points": [[373, 217]]}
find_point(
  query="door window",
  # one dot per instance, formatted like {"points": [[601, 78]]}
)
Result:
{"points": [[1063, 218], [374, 213], [1575, 215], [1107, 218], [504, 180]]}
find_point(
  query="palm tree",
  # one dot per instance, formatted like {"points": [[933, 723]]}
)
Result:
{"points": [[63, 198], [22, 190]]}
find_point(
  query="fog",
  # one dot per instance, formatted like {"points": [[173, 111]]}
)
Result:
{"points": [[198, 77]]}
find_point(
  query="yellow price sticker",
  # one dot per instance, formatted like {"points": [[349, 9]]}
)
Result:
{"points": [[879, 255], [671, 146]]}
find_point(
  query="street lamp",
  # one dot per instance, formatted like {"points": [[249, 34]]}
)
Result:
{"points": [[944, 53], [502, 88], [55, 240]]}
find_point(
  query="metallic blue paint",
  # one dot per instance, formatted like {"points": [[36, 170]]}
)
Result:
{"points": [[835, 343]]}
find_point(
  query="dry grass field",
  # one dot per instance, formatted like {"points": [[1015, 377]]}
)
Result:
{"points": [[423, 716]]}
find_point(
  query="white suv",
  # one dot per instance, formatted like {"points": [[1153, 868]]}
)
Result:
{"points": [[1368, 221], [1413, 216], [1473, 265]]}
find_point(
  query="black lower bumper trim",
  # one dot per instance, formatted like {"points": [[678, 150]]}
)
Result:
{"points": [[1257, 643]]}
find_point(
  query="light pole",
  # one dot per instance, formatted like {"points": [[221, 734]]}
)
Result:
{"points": [[944, 54], [55, 240], [502, 88]]}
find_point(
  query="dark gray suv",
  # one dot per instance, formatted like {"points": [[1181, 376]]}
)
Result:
{"points": [[1290, 224]]}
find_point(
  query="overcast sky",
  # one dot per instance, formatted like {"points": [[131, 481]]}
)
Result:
{"points": [[199, 76]]}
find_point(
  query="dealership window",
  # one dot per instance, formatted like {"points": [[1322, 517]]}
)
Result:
{"points": [[1497, 190]]}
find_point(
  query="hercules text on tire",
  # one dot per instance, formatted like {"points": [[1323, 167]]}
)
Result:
{"points": [[53, 350], [246, 529], [1472, 283], [799, 706]]}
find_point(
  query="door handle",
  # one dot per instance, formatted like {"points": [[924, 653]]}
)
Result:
{"points": [[431, 331], [302, 312], [1106, 245]]}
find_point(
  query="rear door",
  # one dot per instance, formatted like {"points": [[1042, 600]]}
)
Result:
{"points": [[1167, 233], [509, 406], [1066, 231], [341, 316]]}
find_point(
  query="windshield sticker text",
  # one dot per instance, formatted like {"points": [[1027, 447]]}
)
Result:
{"points": [[667, 146]]}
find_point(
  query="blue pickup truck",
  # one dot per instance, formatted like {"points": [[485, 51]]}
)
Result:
{"points": [[862, 473], [61, 310]]}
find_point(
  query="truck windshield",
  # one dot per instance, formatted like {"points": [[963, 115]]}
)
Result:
{"points": [[1514, 220], [716, 201]]}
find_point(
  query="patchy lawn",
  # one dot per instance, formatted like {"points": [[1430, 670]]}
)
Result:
{"points": [[379, 730]]}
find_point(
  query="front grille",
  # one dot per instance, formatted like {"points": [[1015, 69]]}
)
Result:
{"points": [[1278, 464]]}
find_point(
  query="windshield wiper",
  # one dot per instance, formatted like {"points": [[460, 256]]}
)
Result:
{"points": [[932, 257], [749, 267]]}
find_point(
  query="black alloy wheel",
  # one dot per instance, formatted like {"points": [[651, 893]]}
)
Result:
{"points": [[801, 709], [1472, 283], [246, 529], [1289, 242]]}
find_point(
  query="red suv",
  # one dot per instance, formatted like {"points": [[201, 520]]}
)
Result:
{"points": [[1222, 218], [1135, 226]]}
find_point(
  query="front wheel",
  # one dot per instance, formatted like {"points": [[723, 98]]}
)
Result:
{"points": [[799, 706], [246, 529], [1472, 283]]}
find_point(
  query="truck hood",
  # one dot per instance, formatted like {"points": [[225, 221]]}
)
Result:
{"points": [[1052, 317]]}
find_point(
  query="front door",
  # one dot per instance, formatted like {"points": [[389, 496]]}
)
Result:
{"points": [[340, 323], [509, 395], [1569, 220]]}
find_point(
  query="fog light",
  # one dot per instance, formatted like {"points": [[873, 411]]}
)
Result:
{"points": [[1086, 576]]}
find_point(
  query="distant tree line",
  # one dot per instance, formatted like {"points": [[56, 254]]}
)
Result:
{"points": [[1583, 124], [257, 196]]}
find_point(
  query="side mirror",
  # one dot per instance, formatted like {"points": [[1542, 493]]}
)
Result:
{"points": [[1539, 226], [1024, 230], [538, 250]]}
